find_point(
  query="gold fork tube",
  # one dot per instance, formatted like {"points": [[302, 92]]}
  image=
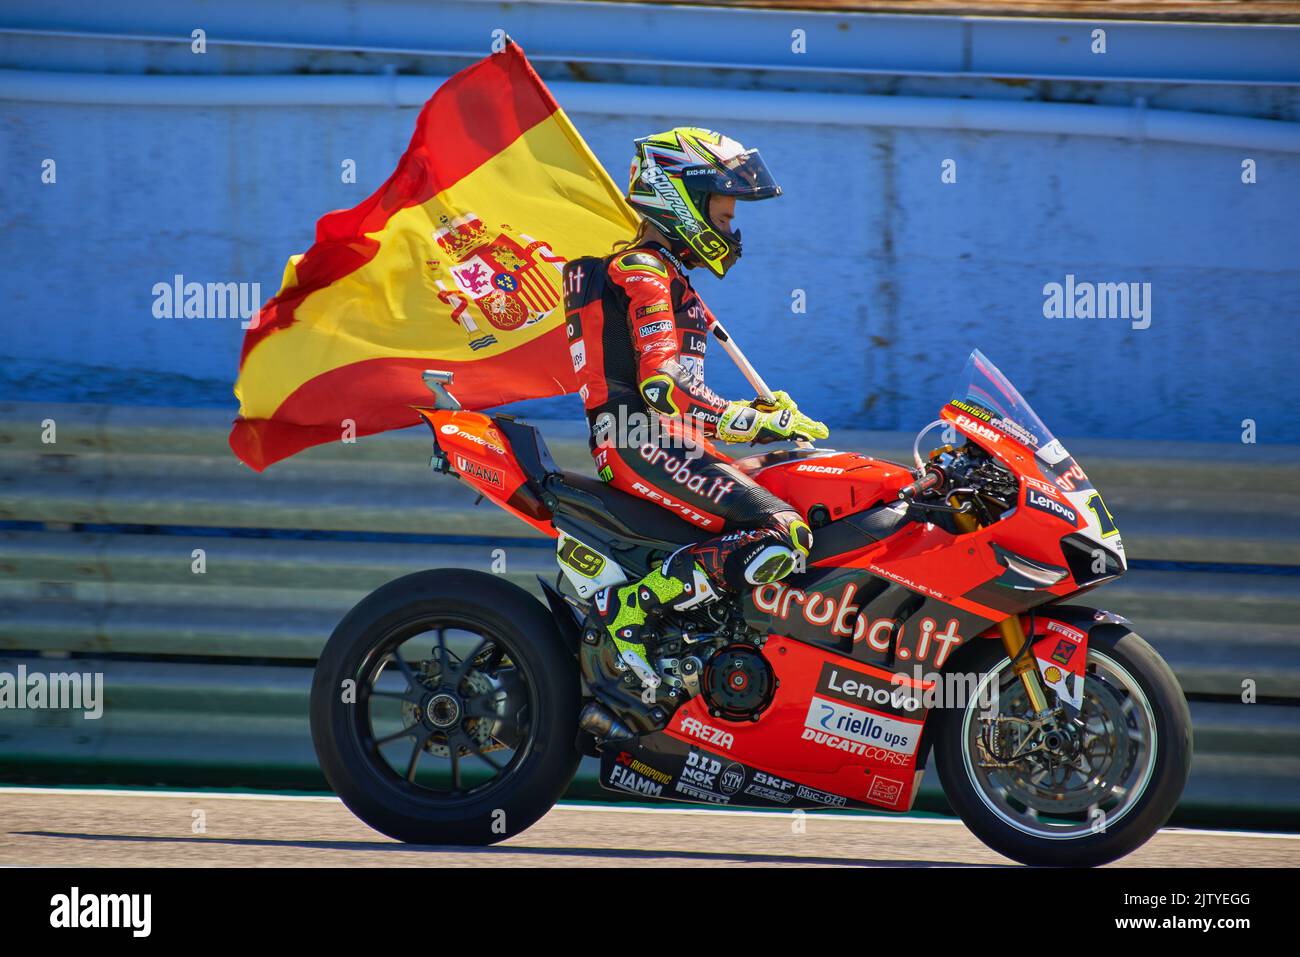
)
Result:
{"points": [[1013, 636]]}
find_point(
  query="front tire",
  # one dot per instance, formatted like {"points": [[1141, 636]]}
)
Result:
{"points": [[444, 709], [1126, 773]]}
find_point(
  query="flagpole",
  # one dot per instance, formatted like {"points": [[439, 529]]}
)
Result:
{"points": [[747, 369]]}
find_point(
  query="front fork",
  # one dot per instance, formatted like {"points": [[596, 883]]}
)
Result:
{"points": [[1014, 640]]}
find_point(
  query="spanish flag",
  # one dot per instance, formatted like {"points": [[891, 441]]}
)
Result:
{"points": [[453, 264]]}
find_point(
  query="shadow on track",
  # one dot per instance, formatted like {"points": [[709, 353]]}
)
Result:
{"points": [[499, 849]]}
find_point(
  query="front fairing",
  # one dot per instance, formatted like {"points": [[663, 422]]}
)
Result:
{"points": [[988, 410]]}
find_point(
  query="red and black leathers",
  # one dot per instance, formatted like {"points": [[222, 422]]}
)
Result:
{"points": [[637, 333]]}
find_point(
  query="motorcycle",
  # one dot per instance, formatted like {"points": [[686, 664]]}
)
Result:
{"points": [[933, 621]]}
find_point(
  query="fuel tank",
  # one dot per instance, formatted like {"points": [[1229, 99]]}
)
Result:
{"points": [[825, 485]]}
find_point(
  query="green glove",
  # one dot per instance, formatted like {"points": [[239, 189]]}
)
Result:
{"points": [[748, 422]]}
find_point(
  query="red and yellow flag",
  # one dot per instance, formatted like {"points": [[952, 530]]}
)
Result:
{"points": [[454, 264]]}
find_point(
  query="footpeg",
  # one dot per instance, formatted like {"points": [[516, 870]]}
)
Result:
{"points": [[649, 677]]}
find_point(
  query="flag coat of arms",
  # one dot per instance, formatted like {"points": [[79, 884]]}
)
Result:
{"points": [[454, 263]]}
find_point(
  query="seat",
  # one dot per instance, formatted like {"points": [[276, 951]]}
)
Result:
{"points": [[591, 500]]}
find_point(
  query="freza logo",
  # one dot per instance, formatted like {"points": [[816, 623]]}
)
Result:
{"points": [[707, 733]]}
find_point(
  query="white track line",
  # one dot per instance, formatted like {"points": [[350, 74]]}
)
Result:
{"points": [[883, 817]]}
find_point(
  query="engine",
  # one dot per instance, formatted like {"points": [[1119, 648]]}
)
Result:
{"points": [[738, 683]]}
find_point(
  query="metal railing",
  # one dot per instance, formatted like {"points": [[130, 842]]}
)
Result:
{"points": [[136, 546]]}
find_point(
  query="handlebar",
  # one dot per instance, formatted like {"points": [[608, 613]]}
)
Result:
{"points": [[933, 478]]}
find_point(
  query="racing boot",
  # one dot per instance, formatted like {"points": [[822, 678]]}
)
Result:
{"points": [[626, 611]]}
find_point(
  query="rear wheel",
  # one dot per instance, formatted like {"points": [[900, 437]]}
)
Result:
{"points": [[1087, 790], [444, 709]]}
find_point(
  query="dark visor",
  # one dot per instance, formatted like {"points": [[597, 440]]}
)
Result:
{"points": [[746, 176]]}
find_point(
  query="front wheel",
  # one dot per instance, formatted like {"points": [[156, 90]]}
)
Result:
{"points": [[1083, 791], [444, 709]]}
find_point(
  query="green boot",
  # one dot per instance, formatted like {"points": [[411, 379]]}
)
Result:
{"points": [[624, 610]]}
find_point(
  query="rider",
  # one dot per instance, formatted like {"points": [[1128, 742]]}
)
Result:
{"points": [[637, 333]]}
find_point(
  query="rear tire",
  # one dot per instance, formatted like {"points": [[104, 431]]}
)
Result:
{"points": [[544, 695], [1148, 812]]}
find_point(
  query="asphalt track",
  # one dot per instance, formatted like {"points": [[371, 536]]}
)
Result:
{"points": [[97, 828]]}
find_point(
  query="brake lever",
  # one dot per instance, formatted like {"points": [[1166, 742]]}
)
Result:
{"points": [[936, 507]]}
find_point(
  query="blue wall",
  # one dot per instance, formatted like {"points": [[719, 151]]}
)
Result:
{"points": [[903, 274]]}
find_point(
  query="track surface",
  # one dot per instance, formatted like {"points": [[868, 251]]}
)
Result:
{"points": [[157, 829]]}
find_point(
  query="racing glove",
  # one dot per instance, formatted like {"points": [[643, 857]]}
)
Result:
{"points": [[755, 422]]}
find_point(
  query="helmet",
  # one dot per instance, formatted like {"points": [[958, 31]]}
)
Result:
{"points": [[673, 174]]}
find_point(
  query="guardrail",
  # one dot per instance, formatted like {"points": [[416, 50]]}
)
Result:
{"points": [[207, 674]]}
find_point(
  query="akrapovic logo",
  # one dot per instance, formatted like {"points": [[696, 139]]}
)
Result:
{"points": [[1036, 499]]}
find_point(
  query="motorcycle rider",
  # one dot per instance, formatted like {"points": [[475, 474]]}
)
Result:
{"points": [[637, 333]]}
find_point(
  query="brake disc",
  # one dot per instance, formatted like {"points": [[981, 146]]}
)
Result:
{"points": [[1089, 757], [479, 730]]}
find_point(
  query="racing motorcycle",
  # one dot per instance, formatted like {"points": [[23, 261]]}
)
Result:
{"points": [[933, 621]]}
